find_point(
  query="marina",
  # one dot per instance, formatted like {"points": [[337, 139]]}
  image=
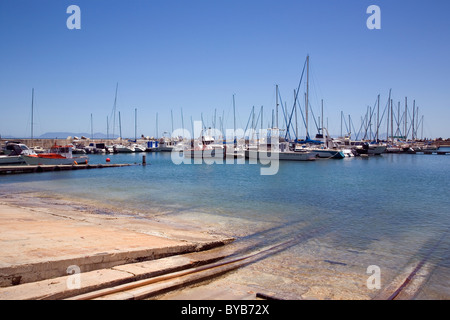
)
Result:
{"points": [[333, 202], [246, 152], [336, 238]]}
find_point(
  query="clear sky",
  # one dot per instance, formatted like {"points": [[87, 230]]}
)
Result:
{"points": [[194, 55]]}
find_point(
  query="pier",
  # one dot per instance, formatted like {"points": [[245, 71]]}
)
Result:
{"points": [[48, 168]]}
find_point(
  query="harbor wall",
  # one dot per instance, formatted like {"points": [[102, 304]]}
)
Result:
{"points": [[48, 143]]}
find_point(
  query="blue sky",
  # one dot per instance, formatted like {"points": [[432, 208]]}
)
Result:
{"points": [[194, 55]]}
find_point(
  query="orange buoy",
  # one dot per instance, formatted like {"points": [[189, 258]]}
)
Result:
{"points": [[108, 159], [75, 163]]}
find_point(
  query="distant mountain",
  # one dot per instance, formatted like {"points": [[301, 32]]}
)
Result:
{"points": [[64, 135]]}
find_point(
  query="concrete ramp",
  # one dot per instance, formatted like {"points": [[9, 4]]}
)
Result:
{"points": [[37, 244]]}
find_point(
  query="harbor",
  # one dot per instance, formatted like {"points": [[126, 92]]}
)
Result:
{"points": [[220, 158], [311, 239]]}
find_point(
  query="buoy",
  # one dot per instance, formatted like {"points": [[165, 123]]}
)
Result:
{"points": [[75, 163], [108, 159]]}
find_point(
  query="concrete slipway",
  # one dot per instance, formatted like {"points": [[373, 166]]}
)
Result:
{"points": [[41, 248]]}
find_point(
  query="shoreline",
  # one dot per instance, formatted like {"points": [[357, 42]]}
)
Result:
{"points": [[165, 232], [51, 228], [42, 236]]}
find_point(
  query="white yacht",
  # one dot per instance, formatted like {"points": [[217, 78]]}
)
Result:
{"points": [[14, 152], [120, 148], [284, 152], [138, 148]]}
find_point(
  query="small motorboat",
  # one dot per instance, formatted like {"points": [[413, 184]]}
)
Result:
{"points": [[58, 155]]}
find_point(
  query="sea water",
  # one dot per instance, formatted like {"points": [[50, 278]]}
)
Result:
{"points": [[389, 211]]}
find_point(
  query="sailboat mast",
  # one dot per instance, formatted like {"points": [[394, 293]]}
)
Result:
{"points": [[182, 122], [234, 121], [135, 124], [406, 119], [322, 117], [276, 93], [349, 127], [262, 112], [296, 121], [412, 123], [32, 112], [307, 95], [114, 110], [392, 123], [387, 122], [378, 115], [421, 135], [120, 127]]}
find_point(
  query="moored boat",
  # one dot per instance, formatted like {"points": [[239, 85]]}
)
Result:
{"points": [[120, 148], [370, 149], [138, 148], [58, 155], [283, 152], [14, 152]]}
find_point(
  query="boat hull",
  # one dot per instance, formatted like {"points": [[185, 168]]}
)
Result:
{"points": [[329, 154], [163, 149], [372, 150], [7, 160], [33, 160], [200, 154], [283, 156]]}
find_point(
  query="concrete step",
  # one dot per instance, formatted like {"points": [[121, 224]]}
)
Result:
{"points": [[39, 243], [78, 284]]}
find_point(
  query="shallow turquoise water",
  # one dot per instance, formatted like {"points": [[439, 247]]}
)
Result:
{"points": [[396, 206]]}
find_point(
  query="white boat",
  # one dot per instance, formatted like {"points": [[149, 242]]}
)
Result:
{"points": [[92, 148], [348, 152], [326, 153], [370, 149], [13, 154], [138, 148], [324, 147], [235, 151], [321, 152], [205, 149], [120, 148], [283, 153], [38, 149], [283, 156], [10, 160], [165, 145], [58, 155]]}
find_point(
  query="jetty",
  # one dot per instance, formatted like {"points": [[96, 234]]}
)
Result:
{"points": [[49, 168]]}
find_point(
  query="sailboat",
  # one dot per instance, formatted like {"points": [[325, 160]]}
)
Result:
{"points": [[237, 149], [320, 146], [266, 150], [205, 147]]}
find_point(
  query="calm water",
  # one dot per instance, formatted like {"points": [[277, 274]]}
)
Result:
{"points": [[388, 210]]}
